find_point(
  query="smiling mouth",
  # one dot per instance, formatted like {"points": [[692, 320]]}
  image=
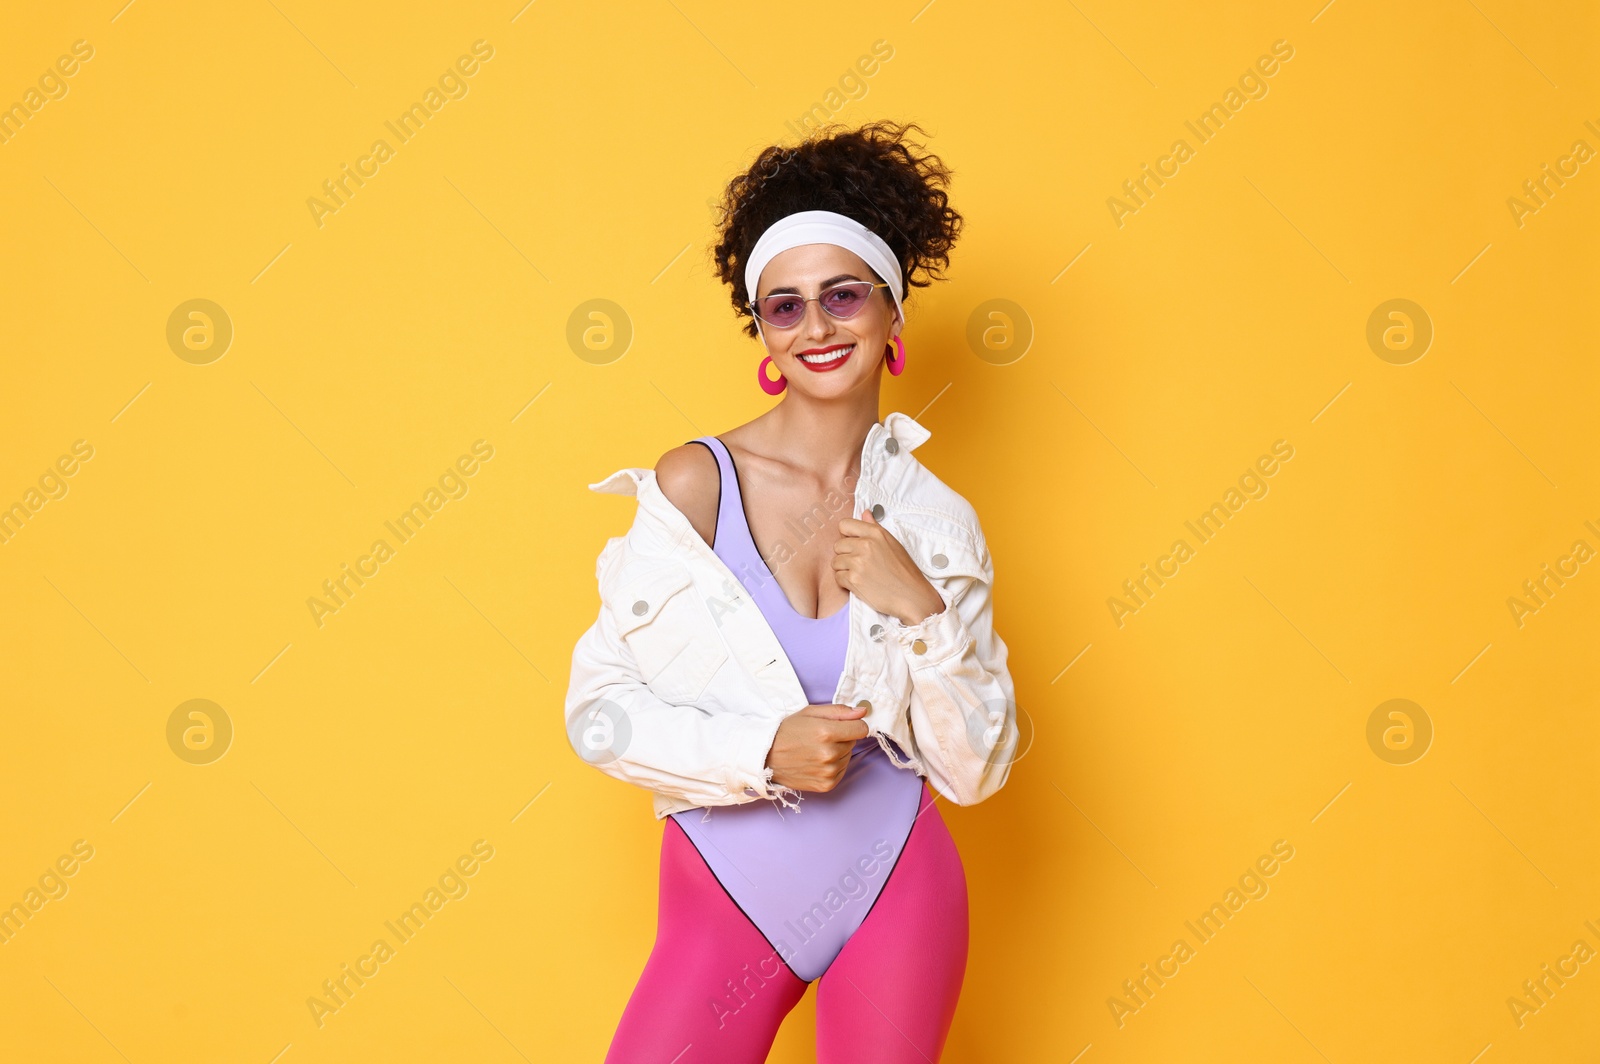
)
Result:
{"points": [[827, 358]]}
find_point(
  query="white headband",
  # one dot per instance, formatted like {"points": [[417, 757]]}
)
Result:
{"points": [[824, 227]]}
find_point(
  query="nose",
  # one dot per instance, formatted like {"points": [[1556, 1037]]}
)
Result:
{"points": [[818, 324]]}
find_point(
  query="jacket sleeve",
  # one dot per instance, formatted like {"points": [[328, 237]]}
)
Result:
{"points": [[963, 704], [618, 725]]}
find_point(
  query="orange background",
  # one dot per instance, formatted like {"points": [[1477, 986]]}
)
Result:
{"points": [[1134, 374]]}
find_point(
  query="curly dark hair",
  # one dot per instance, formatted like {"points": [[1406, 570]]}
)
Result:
{"points": [[871, 174]]}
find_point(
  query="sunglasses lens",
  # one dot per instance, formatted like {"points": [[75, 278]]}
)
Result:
{"points": [[781, 311], [845, 300]]}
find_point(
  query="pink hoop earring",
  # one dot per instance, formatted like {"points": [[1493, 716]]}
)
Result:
{"points": [[897, 365], [771, 387]]}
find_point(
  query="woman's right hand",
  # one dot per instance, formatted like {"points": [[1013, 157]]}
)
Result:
{"points": [[812, 747]]}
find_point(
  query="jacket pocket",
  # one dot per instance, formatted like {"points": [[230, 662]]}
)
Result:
{"points": [[947, 554], [670, 631]]}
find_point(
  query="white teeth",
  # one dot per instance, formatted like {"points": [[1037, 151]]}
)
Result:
{"points": [[830, 356]]}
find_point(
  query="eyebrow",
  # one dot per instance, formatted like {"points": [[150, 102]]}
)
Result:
{"points": [[791, 290]]}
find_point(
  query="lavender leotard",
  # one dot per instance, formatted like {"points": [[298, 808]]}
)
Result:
{"points": [[806, 879]]}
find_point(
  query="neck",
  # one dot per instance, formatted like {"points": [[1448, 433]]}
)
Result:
{"points": [[823, 436]]}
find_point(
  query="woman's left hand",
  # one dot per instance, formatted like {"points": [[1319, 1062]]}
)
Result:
{"points": [[875, 567]]}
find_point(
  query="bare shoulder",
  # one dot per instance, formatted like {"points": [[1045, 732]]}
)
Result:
{"points": [[688, 476]]}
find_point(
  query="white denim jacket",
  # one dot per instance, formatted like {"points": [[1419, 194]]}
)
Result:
{"points": [[680, 683]]}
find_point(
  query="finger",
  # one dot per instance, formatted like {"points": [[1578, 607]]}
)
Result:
{"points": [[850, 526], [834, 733], [846, 733], [835, 711]]}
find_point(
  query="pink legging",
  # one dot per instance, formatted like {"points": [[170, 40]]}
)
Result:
{"points": [[714, 991]]}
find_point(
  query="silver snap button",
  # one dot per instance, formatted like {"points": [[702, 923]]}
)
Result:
{"points": [[877, 510], [940, 561], [640, 607], [891, 445], [875, 631]]}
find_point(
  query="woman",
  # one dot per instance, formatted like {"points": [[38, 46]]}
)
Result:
{"points": [[857, 882]]}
